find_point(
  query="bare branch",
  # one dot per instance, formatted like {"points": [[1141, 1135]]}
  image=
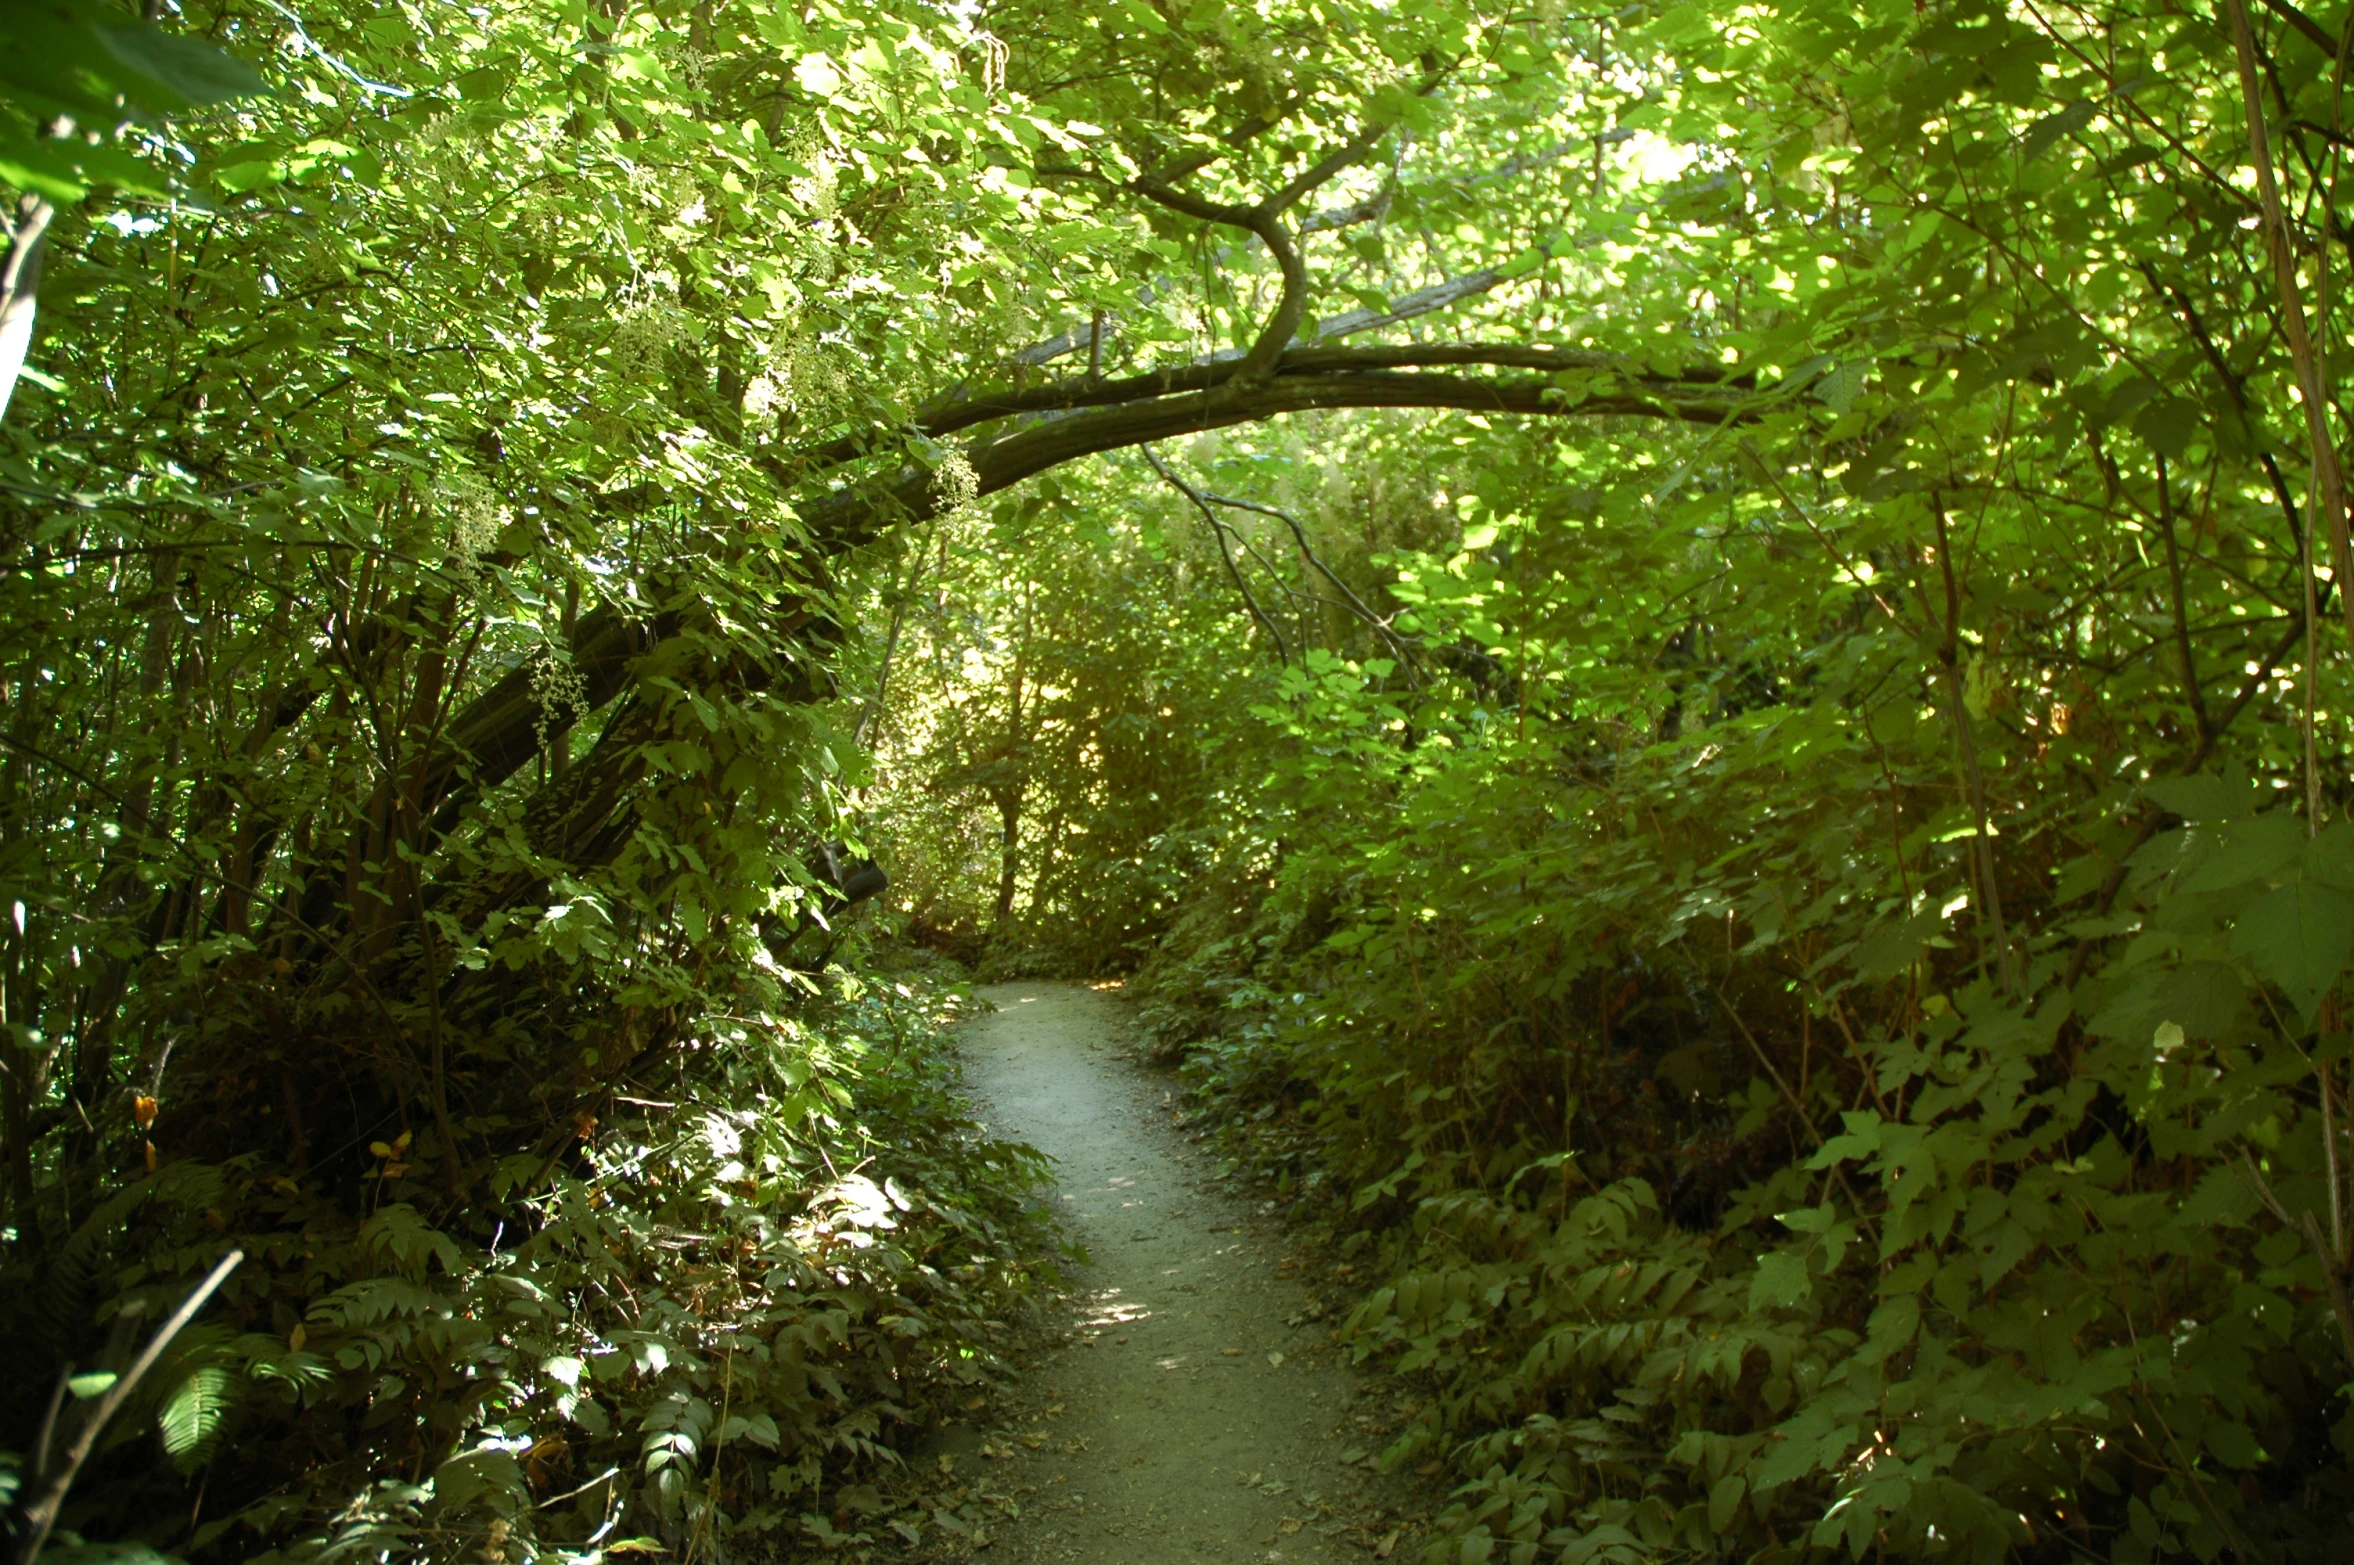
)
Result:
{"points": [[1370, 210], [1225, 555], [40, 1513], [1208, 374], [1188, 204], [2314, 33], [1350, 601]]}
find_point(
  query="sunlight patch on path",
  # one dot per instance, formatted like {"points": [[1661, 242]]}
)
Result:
{"points": [[1200, 1411]]}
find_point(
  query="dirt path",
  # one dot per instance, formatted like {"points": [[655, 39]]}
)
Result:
{"points": [[1199, 1410]]}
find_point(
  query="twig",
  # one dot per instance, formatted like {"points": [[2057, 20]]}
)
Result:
{"points": [[1351, 601], [2329, 480], [1949, 656], [1218, 536], [41, 1515], [2182, 630]]}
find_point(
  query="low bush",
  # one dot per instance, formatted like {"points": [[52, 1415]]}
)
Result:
{"points": [[713, 1322]]}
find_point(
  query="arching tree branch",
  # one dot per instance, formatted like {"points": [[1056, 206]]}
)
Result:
{"points": [[853, 516]]}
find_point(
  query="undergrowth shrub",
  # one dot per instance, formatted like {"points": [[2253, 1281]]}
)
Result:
{"points": [[1730, 1206], [709, 1322]]}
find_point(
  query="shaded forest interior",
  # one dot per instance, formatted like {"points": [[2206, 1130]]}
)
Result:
{"points": [[1694, 660]]}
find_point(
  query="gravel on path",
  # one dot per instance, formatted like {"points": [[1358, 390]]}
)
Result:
{"points": [[1198, 1409]]}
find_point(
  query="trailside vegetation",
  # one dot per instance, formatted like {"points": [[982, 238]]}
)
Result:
{"points": [[1797, 955], [1698, 654]]}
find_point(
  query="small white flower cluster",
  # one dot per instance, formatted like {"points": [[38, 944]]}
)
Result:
{"points": [[557, 685], [800, 377], [476, 520], [763, 397], [436, 130], [814, 378], [692, 65], [819, 191], [642, 331], [955, 484]]}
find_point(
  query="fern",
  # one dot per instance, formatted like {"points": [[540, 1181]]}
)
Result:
{"points": [[193, 1414], [73, 1290]]}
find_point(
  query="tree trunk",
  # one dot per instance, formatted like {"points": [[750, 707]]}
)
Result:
{"points": [[1009, 854]]}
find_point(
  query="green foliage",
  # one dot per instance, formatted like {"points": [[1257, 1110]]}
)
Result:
{"points": [[76, 79], [695, 1306], [1805, 958], [193, 1414], [1777, 869], [1046, 698]]}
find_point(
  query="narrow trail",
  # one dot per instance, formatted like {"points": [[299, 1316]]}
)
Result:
{"points": [[1198, 1410]]}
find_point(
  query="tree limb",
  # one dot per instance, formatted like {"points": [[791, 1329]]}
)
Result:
{"points": [[20, 285], [850, 517], [2312, 31], [1203, 375], [1332, 219], [2329, 485], [1225, 555], [1266, 220], [1348, 597]]}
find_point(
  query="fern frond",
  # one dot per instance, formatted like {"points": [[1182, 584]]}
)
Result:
{"points": [[193, 1414], [72, 1294]]}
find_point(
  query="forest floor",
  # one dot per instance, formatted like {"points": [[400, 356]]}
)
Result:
{"points": [[1190, 1403]]}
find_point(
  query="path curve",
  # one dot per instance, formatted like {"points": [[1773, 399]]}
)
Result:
{"points": [[1198, 1410]]}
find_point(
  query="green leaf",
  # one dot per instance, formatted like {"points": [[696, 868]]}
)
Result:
{"points": [[1818, 1437], [2232, 1443], [2204, 797], [68, 170], [2330, 857], [1893, 1323], [178, 72], [487, 84], [474, 1475], [2169, 424], [1860, 1140], [2249, 850], [96, 1383], [1724, 1501], [1891, 948], [193, 1413], [2298, 937], [90, 1552], [1781, 1280]]}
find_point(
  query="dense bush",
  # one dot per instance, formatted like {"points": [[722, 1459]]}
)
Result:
{"points": [[1809, 946], [720, 1317], [1739, 1192], [1702, 671]]}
